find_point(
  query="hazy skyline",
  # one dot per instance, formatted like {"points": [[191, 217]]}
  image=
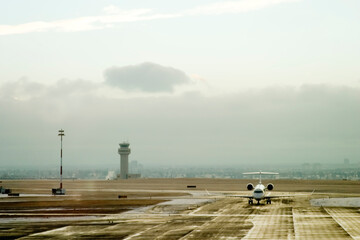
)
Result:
{"points": [[202, 82]]}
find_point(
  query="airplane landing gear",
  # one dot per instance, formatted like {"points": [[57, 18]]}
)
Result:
{"points": [[268, 201], [250, 201]]}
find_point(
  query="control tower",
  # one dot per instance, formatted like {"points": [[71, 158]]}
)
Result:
{"points": [[124, 152]]}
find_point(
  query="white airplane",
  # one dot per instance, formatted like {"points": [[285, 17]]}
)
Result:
{"points": [[259, 192]]}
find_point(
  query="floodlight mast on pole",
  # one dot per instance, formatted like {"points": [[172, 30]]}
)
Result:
{"points": [[61, 134]]}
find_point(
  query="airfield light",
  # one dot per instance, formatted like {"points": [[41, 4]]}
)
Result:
{"points": [[61, 134]]}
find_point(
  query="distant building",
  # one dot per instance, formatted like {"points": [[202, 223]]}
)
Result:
{"points": [[134, 175], [135, 167]]}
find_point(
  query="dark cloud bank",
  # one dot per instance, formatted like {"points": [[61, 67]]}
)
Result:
{"points": [[147, 77]]}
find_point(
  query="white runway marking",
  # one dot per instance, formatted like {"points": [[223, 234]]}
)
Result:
{"points": [[340, 224], [294, 223]]}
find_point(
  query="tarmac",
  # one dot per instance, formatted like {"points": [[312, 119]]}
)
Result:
{"points": [[199, 215]]}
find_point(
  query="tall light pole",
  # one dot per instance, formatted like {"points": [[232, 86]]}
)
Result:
{"points": [[61, 134]]}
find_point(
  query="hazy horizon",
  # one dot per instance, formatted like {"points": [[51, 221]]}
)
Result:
{"points": [[195, 82]]}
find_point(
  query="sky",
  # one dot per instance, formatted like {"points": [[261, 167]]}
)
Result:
{"points": [[203, 82]]}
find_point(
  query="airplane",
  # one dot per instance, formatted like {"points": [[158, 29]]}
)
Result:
{"points": [[259, 192]]}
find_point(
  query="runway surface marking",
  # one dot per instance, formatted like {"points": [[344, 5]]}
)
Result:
{"points": [[310, 224], [350, 225], [272, 225]]}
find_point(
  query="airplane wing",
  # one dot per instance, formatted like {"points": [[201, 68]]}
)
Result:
{"points": [[279, 196], [269, 196], [227, 195], [240, 196], [265, 197], [294, 195]]}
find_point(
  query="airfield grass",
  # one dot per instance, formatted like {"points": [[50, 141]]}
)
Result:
{"points": [[106, 187]]}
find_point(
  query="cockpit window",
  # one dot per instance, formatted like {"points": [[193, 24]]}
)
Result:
{"points": [[258, 191]]}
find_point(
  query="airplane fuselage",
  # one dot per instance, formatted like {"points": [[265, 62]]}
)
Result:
{"points": [[259, 192]]}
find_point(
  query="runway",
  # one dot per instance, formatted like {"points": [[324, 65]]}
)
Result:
{"points": [[197, 215], [226, 218]]}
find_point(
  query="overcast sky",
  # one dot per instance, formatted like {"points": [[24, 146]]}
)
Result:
{"points": [[185, 82]]}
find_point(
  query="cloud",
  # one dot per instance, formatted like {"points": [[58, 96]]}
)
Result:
{"points": [[313, 123], [113, 14], [147, 77], [234, 7], [83, 23], [22, 89], [25, 90]]}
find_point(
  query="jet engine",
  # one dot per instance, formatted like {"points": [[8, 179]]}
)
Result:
{"points": [[270, 186], [250, 186]]}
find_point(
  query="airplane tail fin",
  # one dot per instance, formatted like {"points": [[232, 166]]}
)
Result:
{"points": [[255, 173], [267, 173]]}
